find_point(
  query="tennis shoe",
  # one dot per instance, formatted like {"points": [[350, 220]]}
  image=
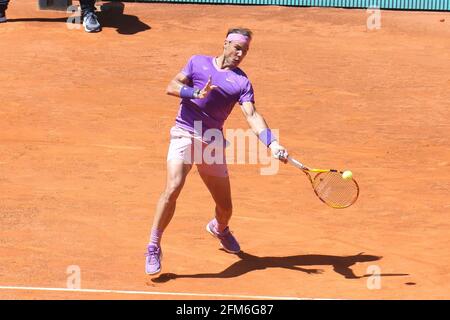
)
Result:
{"points": [[226, 238], [90, 22], [153, 259]]}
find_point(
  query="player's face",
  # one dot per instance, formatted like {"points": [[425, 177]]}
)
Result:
{"points": [[235, 52]]}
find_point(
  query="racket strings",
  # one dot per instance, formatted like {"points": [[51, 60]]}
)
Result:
{"points": [[334, 190]]}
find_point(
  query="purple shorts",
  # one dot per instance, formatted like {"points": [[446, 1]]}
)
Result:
{"points": [[208, 157]]}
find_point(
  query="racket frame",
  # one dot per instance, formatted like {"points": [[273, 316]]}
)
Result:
{"points": [[306, 170]]}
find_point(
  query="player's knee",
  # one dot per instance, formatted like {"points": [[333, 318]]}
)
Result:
{"points": [[172, 191]]}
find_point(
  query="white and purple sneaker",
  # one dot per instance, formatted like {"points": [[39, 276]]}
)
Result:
{"points": [[226, 238], [153, 259]]}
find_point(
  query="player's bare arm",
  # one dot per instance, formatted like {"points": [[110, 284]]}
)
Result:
{"points": [[181, 81], [259, 125], [175, 85]]}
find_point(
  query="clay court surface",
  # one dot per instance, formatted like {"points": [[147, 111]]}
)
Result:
{"points": [[84, 133]]}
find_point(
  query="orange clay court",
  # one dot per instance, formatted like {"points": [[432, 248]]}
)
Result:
{"points": [[84, 133]]}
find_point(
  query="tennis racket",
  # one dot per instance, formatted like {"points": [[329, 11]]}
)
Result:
{"points": [[329, 185]]}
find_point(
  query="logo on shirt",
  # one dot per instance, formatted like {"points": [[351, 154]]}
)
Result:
{"points": [[229, 80]]}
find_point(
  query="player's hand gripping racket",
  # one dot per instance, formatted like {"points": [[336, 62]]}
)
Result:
{"points": [[330, 186]]}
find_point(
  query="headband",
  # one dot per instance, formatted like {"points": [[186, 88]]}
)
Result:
{"points": [[238, 37]]}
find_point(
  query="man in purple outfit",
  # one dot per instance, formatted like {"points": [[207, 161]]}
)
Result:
{"points": [[209, 87]]}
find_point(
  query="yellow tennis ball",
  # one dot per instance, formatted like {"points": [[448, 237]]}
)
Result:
{"points": [[347, 175]]}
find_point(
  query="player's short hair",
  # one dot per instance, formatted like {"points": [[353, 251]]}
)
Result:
{"points": [[244, 31]]}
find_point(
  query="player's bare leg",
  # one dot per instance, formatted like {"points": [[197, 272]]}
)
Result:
{"points": [[165, 209], [220, 189], [177, 171]]}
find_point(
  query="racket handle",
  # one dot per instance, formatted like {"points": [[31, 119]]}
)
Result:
{"points": [[296, 163]]}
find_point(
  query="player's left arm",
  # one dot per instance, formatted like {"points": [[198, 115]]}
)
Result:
{"points": [[261, 129]]}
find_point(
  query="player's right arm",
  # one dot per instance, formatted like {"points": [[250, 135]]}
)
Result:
{"points": [[175, 85], [181, 80]]}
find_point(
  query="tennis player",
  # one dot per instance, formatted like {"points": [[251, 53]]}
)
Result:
{"points": [[209, 87]]}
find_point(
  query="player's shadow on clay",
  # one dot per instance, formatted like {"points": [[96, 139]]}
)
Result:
{"points": [[249, 263], [111, 15]]}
